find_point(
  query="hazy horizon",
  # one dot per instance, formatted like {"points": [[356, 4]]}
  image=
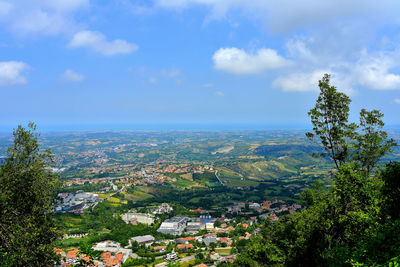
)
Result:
{"points": [[83, 62], [171, 127]]}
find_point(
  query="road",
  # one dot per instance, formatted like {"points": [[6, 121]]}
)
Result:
{"points": [[216, 175]]}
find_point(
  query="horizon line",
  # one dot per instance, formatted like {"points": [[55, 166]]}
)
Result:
{"points": [[169, 127]]}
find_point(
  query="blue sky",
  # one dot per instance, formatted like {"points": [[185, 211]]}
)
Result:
{"points": [[69, 64]]}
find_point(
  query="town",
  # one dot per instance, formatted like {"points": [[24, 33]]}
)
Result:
{"points": [[196, 240]]}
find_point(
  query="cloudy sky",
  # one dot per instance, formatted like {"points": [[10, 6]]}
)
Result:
{"points": [[136, 62]]}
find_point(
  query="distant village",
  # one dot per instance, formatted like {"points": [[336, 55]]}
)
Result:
{"points": [[148, 174]]}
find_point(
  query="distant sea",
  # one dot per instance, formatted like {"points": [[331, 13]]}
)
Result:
{"points": [[7, 129], [161, 126]]}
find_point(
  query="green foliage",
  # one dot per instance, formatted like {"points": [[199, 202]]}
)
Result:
{"points": [[364, 144], [137, 262], [329, 118], [217, 224], [391, 190], [27, 190], [354, 222], [371, 143]]}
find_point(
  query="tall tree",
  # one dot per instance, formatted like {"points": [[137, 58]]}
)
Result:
{"points": [[27, 190], [371, 142], [365, 143], [330, 120]]}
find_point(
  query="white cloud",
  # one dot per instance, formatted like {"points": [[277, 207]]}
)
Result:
{"points": [[62, 5], [300, 82], [5, 8], [48, 17], [238, 61], [38, 21], [153, 80], [72, 76], [397, 100], [97, 42], [11, 72], [287, 15], [373, 72], [219, 93], [308, 81], [171, 73], [208, 85]]}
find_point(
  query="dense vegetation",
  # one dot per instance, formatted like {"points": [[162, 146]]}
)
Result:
{"points": [[27, 190], [354, 222]]}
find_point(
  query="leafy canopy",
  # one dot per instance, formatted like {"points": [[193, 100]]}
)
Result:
{"points": [[364, 143], [27, 190]]}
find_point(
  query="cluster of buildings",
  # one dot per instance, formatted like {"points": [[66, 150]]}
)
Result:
{"points": [[149, 174], [264, 207], [135, 218], [221, 233], [70, 202], [113, 255], [163, 208]]}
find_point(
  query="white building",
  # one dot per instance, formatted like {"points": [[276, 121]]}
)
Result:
{"points": [[163, 208], [174, 225], [138, 217], [143, 240]]}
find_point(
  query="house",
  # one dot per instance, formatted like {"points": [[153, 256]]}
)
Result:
{"points": [[72, 256], [108, 260], [226, 240], [254, 205], [185, 240], [209, 226], [184, 246], [160, 248], [114, 247], [171, 256], [198, 210], [163, 208]]}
